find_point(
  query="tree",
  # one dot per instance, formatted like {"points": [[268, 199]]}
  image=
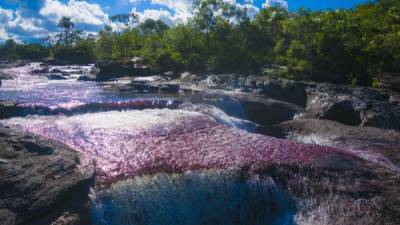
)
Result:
{"points": [[105, 42], [66, 26], [9, 49], [150, 26], [127, 19], [207, 12]]}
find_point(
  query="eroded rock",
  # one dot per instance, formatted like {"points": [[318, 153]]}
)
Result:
{"points": [[364, 140], [266, 111], [39, 179]]}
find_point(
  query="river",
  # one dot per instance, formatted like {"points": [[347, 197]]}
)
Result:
{"points": [[160, 158]]}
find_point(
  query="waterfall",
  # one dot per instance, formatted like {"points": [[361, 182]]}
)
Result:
{"points": [[225, 197]]}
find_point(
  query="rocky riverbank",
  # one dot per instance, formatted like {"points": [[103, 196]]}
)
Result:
{"points": [[41, 181]]}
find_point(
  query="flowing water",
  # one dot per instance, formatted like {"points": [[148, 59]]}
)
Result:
{"points": [[165, 159]]}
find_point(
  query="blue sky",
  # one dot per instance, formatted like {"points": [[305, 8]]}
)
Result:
{"points": [[32, 19]]}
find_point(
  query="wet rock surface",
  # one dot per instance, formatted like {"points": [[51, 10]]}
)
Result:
{"points": [[39, 180], [363, 139]]}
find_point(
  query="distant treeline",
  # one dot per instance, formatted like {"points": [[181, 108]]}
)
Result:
{"points": [[341, 46]]}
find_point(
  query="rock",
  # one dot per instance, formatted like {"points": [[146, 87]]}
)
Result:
{"points": [[170, 88], [169, 74], [6, 217], [266, 111], [389, 81], [67, 219], [41, 71], [280, 89], [338, 190], [346, 112], [339, 132], [87, 77], [117, 69], [286, 90], [394, 99], [189, 77], [223, 81], [56, 77], [354, 106], [94, 71], [382, 115], [4, 76], [326, 132], [56, 71], [11, 109], [13, 63], [144, 87], [40, 179]]}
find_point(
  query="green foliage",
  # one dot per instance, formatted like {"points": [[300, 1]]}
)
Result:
{"points": [[9, 50], [12, 50], [105, 42], [342, 46], [82, 53], [33, 51], [150, 26]]}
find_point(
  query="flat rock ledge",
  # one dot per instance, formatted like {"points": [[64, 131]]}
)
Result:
{"points": [[41, 181]]}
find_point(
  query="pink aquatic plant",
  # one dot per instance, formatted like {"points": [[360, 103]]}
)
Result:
{"points": [[129, 143]]}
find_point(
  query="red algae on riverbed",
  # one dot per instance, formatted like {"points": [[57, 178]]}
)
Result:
{"points": [[129, 143]]}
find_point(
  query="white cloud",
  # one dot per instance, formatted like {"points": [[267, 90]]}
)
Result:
{"points": [[232, 2], [4, 35], [156, 14], [277, 3], [40, 17], [182, 9], [252, 10], [25, 26], [6, 15], [79, 11]]}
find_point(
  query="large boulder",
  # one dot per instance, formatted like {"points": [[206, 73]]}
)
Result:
{"points": [[40, 180], [286, 90], [354, 106], [281, 89], [382, 115], [116, 69], [346, 112]]}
